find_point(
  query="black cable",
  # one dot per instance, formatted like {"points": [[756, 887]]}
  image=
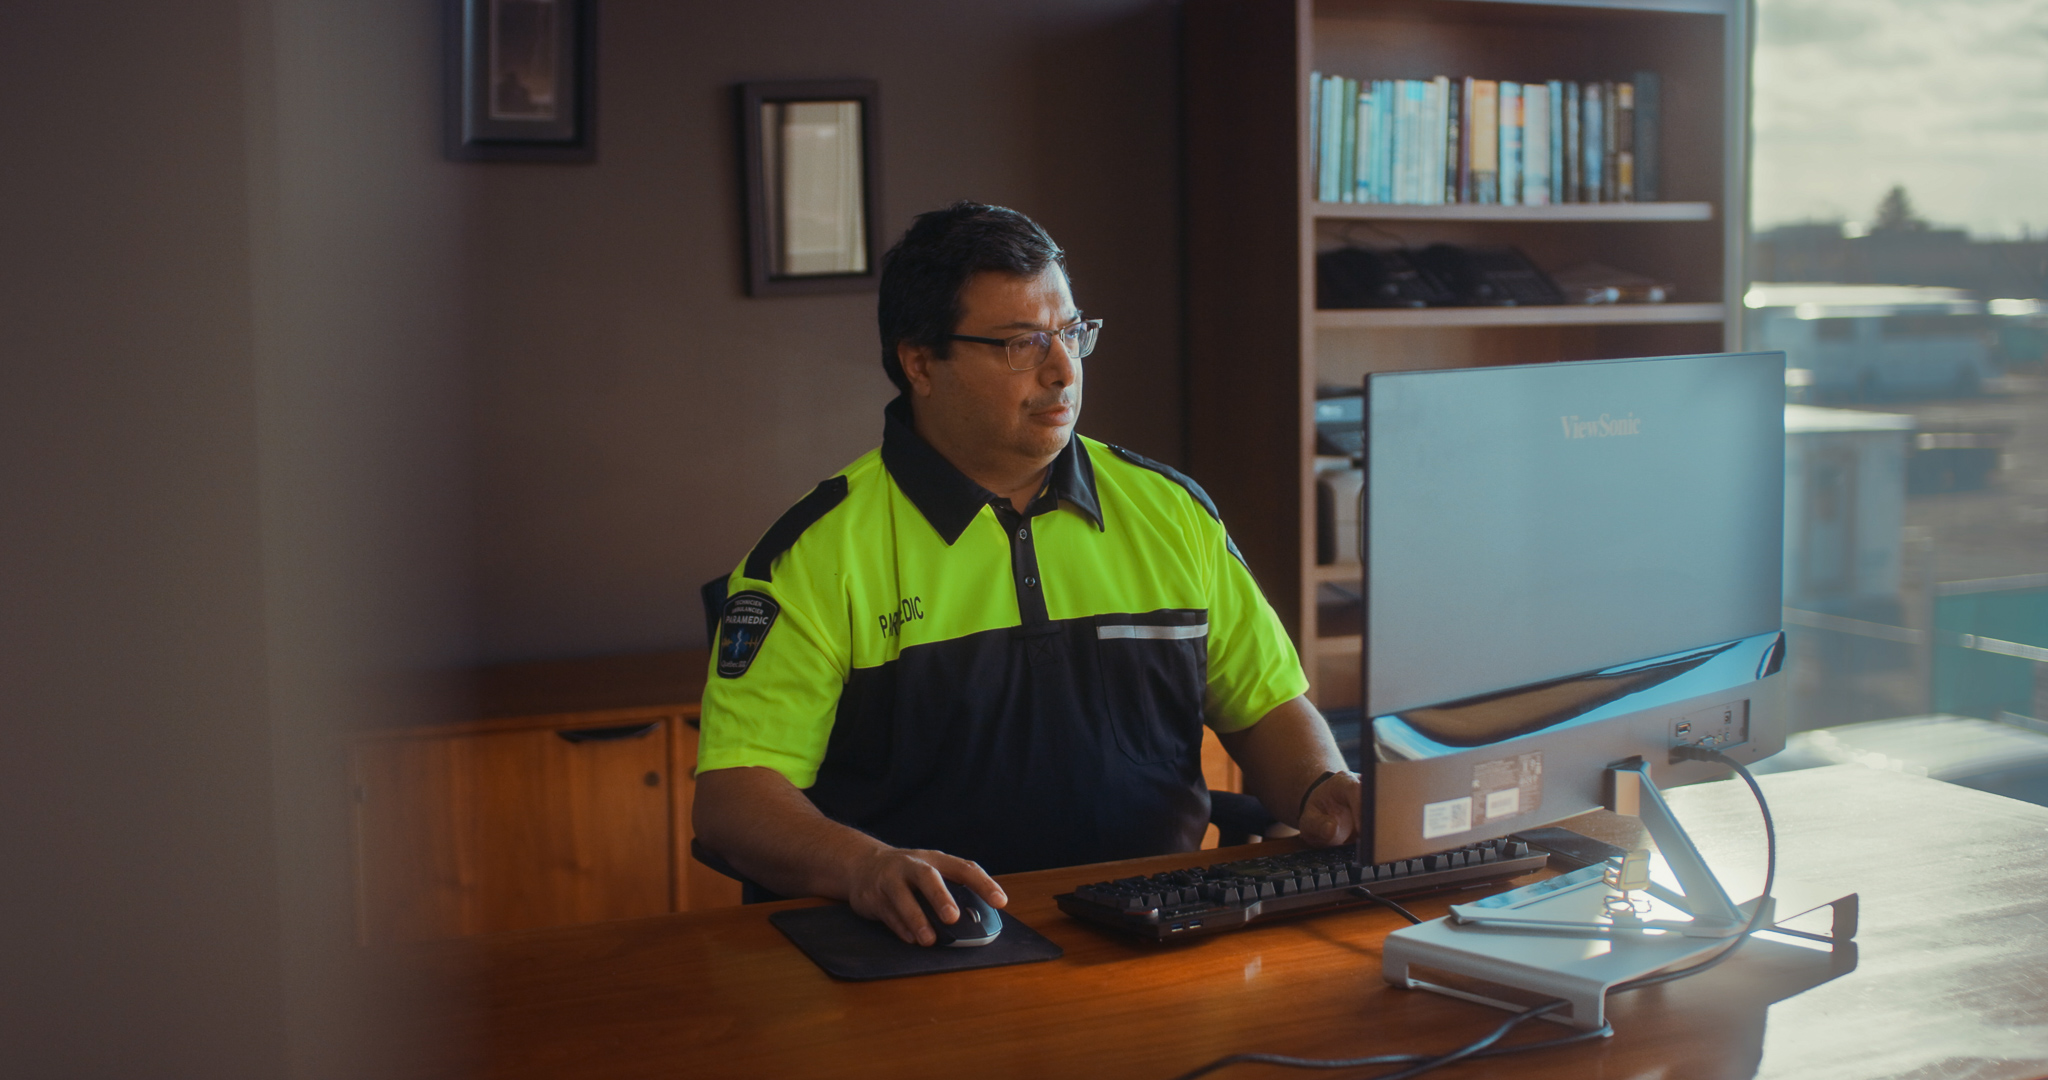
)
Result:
{"points": [[1477, 1046], [1382, 901], [1763, 903], [1484, 1047], [1420, 1062]]}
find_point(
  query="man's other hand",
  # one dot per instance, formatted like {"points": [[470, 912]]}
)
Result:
{"points": [[1282, 755], [885, 883], [1332, 814]]}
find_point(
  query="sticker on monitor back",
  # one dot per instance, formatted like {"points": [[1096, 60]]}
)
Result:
{"points": [[742, 626], [1447, 817], [1505, 787]]}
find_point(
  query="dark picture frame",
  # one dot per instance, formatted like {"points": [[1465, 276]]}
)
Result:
{"points": [[803, 145], [521, 80]]}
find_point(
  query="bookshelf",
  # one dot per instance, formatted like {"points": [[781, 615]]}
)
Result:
{"points": [[1257, 346]]}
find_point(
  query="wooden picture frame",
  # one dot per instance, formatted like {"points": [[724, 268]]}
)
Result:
{"points": [[810, 160], [521, 80]]}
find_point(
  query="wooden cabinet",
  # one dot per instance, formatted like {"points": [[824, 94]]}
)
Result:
{"points": [[566, 801], [1259, 349]]}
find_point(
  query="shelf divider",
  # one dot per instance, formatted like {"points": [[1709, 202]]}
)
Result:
{"points": [[1339, 645], [1338, 573], [1548, 315], [1656, 211]]}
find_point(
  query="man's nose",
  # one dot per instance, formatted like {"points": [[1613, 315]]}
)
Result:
{"points": [[1060, 366]]}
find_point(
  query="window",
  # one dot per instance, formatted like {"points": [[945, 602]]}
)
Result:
{"points": [[1898, 147]]}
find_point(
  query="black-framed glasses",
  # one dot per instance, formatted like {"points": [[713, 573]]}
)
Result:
{"points": [[1027, 351]]}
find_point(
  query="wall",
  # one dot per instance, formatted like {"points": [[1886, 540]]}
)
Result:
{"points": [[141, 927], [356, 231], [640, 420], [296, 416], [233, 515]]}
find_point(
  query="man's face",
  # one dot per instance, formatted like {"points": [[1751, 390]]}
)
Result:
{"points": [[972, 405]]}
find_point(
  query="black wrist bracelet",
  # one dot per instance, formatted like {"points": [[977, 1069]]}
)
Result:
{"points": [[1311, 790]]}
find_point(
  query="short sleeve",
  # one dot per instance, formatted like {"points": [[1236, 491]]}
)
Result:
{"points": [[770, 701], [1253, 667]]}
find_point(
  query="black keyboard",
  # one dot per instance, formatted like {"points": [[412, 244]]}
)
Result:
{"points": [[1227, 896]]}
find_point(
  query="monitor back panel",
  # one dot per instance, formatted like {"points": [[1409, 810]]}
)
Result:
{"points": [[1524, 524]]}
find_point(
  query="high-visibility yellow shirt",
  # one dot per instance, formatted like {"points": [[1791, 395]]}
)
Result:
{"points": [[1024, 690]]}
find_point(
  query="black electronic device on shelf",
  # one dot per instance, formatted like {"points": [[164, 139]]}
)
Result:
{"points": [[1340, 424], [1358, 277], [1494, 275]]}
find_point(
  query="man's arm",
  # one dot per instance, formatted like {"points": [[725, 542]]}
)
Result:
{"points": [[1282, 755], [759, 822]]}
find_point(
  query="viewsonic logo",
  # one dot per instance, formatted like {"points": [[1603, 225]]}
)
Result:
{"points": [[1605, 427]]}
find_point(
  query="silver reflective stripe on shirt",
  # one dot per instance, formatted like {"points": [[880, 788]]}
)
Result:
{"points": [[1153, 633]]}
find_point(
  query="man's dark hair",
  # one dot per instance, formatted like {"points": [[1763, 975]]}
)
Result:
{"points": [[923, 274]]}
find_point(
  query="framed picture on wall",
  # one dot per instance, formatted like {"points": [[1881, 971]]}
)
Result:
{"points": [[809, 155], [521, 76]]}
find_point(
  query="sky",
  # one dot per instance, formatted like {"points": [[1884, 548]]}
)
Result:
{"points": [[1947, 97]]}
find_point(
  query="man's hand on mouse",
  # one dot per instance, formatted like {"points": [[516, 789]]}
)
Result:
{"points": [[1331, 817], [883, 882]]}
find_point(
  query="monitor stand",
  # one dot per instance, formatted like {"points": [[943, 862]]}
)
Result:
{"points": [[1563, 938]]}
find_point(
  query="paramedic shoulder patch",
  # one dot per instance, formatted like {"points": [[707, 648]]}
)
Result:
{"points": [[742, 626]]}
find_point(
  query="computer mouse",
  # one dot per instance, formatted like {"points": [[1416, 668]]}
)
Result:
{"points": [[978, 923]]}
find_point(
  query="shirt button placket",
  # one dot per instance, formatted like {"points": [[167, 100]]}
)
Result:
{"points": [[1030, 602]]}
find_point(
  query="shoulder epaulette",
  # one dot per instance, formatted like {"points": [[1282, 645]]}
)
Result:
{"points": [[1185, 481], [783, 535]]}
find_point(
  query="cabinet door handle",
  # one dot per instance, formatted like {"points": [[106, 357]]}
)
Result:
{"points": [[608, 734]]}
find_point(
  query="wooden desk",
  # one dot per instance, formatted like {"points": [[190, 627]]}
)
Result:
{"points": [[1950, 977]]}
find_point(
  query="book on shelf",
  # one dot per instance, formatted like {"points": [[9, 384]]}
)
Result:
{"points": [[1361, 155], [1486, 141], [1318, 161], [1415, 94], [1454, 125], [1593, 145], [1332, 170], [1485, 137], [1647, 135], [1510, 143], [1571, 156], [1439, 146], [1624, 142], [1346, 140], [1536, 149]]}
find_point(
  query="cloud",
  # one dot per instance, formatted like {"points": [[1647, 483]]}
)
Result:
{"points": [[1950, 99], [1793, 23]]}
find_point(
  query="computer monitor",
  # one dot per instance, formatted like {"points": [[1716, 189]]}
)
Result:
{"points": [[1566, 566]]}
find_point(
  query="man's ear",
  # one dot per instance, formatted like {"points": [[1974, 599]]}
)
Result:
{"points": [[917, 363]]}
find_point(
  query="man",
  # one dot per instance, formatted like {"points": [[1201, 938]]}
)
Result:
{"points": [[989, 642]]}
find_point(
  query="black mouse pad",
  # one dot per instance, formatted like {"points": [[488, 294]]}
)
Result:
{"points": [[850, 947]]}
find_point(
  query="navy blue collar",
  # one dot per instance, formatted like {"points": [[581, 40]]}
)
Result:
{"points": [[949, 500]]}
